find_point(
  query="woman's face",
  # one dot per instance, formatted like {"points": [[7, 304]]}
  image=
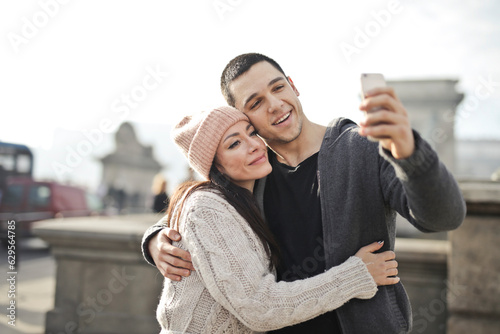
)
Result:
{"points": [[242, 155]]}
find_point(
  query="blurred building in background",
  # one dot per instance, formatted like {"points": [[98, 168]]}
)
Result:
{"points": [[432, 107], [478, 159], [127, 173]]}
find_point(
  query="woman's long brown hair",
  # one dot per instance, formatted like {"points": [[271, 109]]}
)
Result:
{"points": [[241, 199]]}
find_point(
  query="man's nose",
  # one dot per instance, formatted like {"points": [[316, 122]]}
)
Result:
{"points": [[274, 104]]}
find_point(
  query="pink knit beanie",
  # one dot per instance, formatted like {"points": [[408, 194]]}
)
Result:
{"points": [[198, 136]]}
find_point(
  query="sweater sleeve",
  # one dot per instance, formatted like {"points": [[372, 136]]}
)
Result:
{"points": [[424, 191], [232, 264]]}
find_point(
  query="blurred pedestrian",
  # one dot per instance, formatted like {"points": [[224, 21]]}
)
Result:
{"points": [[160, 199]]}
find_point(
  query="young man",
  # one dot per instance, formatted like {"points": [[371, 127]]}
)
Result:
{"points": [[332, 190]]}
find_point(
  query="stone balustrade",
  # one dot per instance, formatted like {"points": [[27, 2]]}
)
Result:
{"points": [[103, 284], [474, 264]]}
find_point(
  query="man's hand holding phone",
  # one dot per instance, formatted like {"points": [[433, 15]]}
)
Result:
{"points": [[386, 118]]}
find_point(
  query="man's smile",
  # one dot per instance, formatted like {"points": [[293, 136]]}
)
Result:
{"points": [[283, 118]]}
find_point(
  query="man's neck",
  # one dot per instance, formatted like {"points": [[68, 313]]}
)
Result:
{"points": [[306, 144]]}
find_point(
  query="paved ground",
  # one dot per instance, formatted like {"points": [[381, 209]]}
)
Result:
{"points": [[34, 285]]}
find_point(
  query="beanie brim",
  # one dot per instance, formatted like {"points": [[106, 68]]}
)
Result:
{"points": [[198, 136]]}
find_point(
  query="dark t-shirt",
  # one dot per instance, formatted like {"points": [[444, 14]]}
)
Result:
{"points": [[293, 212]]}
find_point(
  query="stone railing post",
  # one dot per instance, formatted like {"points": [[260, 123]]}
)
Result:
{"points": [[423, 272], [103, 284], [474, 263]]}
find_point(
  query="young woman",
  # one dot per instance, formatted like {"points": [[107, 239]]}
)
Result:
{"points": [[234, 289]]}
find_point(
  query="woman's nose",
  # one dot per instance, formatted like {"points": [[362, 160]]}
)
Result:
{"points": [[255, 143]]}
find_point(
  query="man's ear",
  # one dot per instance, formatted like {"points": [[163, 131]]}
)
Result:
{"points": [[296, 91]]}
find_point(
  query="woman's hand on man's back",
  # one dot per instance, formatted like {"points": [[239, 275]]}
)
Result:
{"points": [[382, 266]]}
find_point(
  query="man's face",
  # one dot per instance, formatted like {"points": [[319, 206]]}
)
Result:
{"points": [[270, 101]]}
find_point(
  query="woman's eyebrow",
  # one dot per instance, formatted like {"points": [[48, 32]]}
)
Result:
{"points": [[231, 135], [236, 133]]}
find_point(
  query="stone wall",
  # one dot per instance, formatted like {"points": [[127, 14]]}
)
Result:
{"points": [[474, 265], [423, 272], [103, 284]]}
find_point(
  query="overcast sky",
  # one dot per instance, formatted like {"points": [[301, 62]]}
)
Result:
{"points": [[89, 65]]}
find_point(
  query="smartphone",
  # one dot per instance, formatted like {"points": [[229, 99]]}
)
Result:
{"points": [[370, 81]]}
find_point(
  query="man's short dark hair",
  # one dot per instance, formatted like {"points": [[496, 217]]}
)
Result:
{"points": [[237, 67]]}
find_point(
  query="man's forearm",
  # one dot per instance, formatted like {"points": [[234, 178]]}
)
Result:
{"points": [[432, 194]]}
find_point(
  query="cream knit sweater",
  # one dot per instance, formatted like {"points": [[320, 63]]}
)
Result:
{"points": [[232, 289]]}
